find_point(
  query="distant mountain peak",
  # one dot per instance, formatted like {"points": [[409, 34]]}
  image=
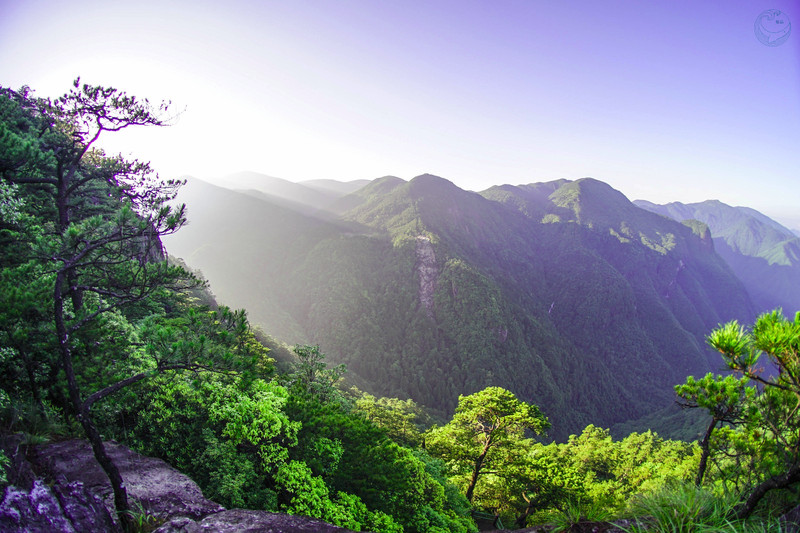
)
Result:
{"points": [[431, 179], [389, 180], [431, 185], [763, 253]]}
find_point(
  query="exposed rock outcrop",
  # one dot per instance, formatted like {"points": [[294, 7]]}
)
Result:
{"points": [[160, 489], [69, 508], [428, 273], [248, 521], [60, 488]]}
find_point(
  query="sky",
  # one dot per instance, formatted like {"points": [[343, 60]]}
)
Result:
{"points": [[664, 101]]}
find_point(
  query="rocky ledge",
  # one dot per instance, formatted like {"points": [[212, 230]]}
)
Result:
{"points": [[60, 487]]}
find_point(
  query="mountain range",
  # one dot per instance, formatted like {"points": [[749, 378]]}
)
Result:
{"points": [[764, 254], [565, 292]]}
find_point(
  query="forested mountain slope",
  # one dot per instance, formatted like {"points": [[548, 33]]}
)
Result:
{"points": [[762, 253], [564, 292]]}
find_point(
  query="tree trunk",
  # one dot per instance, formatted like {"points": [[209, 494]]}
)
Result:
{"points": [[744, 510], [84, 415], [37, 398], [111, 470], [476, 472], [704, 446], [522, 518]]}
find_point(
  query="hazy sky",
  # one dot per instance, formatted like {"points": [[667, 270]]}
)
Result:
{"points": [[666, 101]]}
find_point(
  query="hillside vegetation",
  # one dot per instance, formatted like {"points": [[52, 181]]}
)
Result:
{"points": [[565, 292], [762, 253], [422, 287]]}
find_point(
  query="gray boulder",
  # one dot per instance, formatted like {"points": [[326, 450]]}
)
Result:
{"points": [[249, 521], [161, 490]]}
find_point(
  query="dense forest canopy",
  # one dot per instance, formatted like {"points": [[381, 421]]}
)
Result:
{"points": [[103, 336]]}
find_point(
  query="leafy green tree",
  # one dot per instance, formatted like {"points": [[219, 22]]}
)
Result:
{"points": [[308, 495], [354, 456], [590, 472], [771, 432], [485, 427], [399, 418], [727, 399], [26, 328], [539, 480], [227, 433], [226, 429], [312, 374], [197, 335], [100, 222], [10, 204], [613, 471]]}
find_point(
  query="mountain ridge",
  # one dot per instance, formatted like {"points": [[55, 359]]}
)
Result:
{"points": [[565, 292], [764, 254]]}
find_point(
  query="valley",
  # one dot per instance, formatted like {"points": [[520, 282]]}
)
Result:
{"points": [[566, 293]]}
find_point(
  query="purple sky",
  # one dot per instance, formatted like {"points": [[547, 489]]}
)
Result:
{"points": [[668, 101]]}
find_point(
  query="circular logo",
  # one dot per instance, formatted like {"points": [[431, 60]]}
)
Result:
{"points": [[772, 27]]}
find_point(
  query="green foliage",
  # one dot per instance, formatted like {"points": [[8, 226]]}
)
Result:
{"points": [[5, 462], [312, 375], [486, 427], [26, 330], [728, 400], [723, 397], [256, 420], [590, 477], [401, 419], [572, 512], [308, 495], [143, 521], [226, 434], [251, 443], [200, 338], [10, 204], [683, 508], [339, 445], [38, 423], [756, 452], [611, 472]]}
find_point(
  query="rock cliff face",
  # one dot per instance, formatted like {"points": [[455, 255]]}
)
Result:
{"points": [[60, 488], [428, 273]]}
